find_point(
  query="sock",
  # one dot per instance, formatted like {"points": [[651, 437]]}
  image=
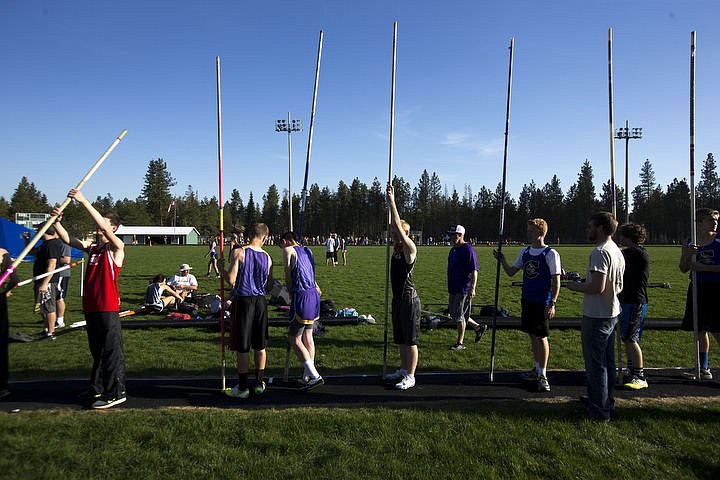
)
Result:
{"points": [[704, 361], [537, 366], [542, 372], [242, 381], [60, 320], [259, 375], [629, 366], [638, 372], [410, 375], [310, 369]]}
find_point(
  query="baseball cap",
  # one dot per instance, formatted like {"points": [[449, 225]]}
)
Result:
{"points": [[457, 229]]}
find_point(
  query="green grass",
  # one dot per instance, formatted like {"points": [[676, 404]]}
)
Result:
{"points": [[649, 439]]}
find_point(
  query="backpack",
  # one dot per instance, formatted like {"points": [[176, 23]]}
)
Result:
{"points": [[328, 308]]}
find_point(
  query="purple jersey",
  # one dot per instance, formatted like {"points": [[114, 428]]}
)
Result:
{"points": [[253, 274], [305, 306], [462, 262]]}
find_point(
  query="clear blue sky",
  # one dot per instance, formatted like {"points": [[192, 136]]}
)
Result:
{"points": [[76, 73]]}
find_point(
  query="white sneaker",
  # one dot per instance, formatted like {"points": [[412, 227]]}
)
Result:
{"points": [[399, 374], [59, 324], [407, 382]]}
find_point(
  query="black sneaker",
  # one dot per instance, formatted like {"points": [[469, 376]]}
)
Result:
{"points": [[88, 396], [482, 328], [103, 403], [542, 384], [4, 393]]}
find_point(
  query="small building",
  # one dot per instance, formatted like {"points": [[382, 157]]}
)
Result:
{"points": [[158, 235]]}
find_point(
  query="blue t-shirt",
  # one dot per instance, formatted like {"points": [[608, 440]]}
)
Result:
{"points": [[462, 262]]}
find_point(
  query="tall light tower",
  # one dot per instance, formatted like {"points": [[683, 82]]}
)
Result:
{"points": [[625, 133], [289, 126]]}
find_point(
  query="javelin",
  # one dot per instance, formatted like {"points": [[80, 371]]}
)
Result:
{"points": [[693, 225], [222, 236], [390, 170], [501, 233], [47, 274], [303, 194], [62, 206]]}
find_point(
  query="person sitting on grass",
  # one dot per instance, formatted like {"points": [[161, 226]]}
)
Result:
{"points": [[185, 282], [155, 301]]}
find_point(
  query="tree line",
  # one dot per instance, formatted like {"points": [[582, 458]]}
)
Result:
{"points": [[359, 210]]}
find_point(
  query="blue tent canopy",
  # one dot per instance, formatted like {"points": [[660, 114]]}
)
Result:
{"points": [[11, 239]]}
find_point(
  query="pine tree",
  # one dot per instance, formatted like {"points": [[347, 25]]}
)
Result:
{"points": [[708, 189], [156, 191], [28, 199]]}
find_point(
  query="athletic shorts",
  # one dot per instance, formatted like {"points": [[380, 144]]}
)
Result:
{"points": [[62, 287], [47, 301], [459, 306], [708, 318], [533, 320], [329, 254], [406, 320], [304, 310], [632, 321], [249, 326]]}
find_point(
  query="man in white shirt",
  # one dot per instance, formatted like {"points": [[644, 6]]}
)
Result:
{"points": [[185, 282]]}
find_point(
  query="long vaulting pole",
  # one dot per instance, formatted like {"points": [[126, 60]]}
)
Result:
{"points": [[303, 193], [62, 207], [693, 225], [501, 229], [390, 178], [222, 235], [611, 117]]}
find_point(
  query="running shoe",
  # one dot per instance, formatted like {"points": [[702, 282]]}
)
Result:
{"points": [[312, 383], [88, 395], [59, 323], [235, 392], [407, 382], [530, 376], [260, 388], [705, 374], [636, 383], [542, 384], [398, 375], [458, 346], [482, 328], [4, 393], [103, 403]]}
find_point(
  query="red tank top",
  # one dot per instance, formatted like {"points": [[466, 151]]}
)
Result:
{"points": [[101, 281]]}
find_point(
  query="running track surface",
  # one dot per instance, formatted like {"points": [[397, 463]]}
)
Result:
{"points": [[347, 391]]}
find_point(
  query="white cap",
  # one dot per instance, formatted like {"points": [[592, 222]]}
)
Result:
{"points": [[457, 229], [184, 267]]}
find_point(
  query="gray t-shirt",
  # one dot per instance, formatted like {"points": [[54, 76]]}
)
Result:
{"points": [[66, 252], [607, 259]]}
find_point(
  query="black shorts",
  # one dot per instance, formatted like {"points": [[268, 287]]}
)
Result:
{"points": [[708, 319], [406, 320], [533, 320], [62, 287], [249, 327]]}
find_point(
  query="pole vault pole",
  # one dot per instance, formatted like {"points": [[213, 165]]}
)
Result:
{"points": [[303, 193], [501, 229], [611, 117], [62, 207], [693, 224], [387, 223], [52, 272], [222, 235]]}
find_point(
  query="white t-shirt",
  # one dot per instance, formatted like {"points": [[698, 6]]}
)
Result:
{"points": [[330, 245], [607, 259], [552, 258], [188, 280]]}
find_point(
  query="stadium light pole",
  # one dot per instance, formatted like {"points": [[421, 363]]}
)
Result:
{"points": [[625, 133], [289, 126]]}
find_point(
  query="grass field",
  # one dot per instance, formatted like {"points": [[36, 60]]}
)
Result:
{"points": [[651, 439]]}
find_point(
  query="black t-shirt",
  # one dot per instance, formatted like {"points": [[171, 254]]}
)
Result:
{"points": [[635, 278], [49, 249]]}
